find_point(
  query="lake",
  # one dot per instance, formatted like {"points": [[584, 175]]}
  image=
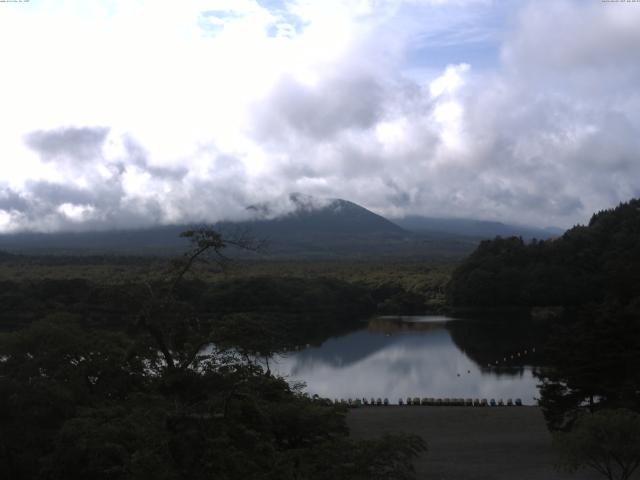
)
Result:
{"points": [[420, 356]]}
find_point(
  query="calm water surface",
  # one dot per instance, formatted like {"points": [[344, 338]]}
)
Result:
{"points": [[410, 356]]}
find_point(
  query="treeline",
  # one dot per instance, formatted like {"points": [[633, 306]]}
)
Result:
{"points": [[69, 259], [596, 263], [267, 311], [296, 311], [108, 303]]}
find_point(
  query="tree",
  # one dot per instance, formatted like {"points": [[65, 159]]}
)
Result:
{"points": [[607, 441], [176, 332], [594, 263], [591, 366], [79, 400], [49, 372]]}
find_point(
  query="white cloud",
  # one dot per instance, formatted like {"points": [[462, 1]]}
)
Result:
{"points": [[128, 113]]}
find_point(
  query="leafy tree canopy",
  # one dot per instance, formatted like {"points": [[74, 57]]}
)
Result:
{"points": [[607, 441], [595, 263], [174, 395]]}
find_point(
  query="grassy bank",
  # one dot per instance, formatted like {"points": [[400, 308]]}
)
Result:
{"points": [[470, 443]]}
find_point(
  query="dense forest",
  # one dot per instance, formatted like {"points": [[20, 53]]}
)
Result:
{"points": [[593, 274], [163, 378], [588, 264]]}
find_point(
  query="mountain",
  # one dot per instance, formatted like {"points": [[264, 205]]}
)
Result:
{"points": [[326, 218], [474, 228], [297, 226], [307, 227]]}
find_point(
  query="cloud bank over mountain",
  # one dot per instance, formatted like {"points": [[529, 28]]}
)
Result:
{"points": [[123, 114]]}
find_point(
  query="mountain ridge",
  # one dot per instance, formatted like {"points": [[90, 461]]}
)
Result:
{"points": [[297, 226], [473, 227]]}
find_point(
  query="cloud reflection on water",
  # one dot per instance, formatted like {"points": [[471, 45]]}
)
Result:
{"points": [[422, 362]]}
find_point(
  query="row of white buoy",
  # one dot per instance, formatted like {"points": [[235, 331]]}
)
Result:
{"points": [[460, 402], [432, 402], [513, 356]]}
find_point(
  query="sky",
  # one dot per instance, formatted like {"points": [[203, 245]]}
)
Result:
{"points": [[130, 113]]}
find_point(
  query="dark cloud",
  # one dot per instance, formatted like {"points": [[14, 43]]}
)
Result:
{"points": [[397, 197], [103, 201], [69, 143], [12, 201], [320, 111], [55, 194], [138, 156], [105, 206]]}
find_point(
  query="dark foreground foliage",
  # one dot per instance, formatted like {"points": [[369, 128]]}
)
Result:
{"points": [[161, 380], [607, 441], [74, 403], [593, 363]]}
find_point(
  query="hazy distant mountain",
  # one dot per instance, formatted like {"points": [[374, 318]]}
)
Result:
{"points": [[326, 218], [156, 240], [324, 228], [474, 228], [310, 227], [300, 226]]}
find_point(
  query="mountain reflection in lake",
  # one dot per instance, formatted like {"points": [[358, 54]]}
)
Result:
{"points": [[409, 356]]}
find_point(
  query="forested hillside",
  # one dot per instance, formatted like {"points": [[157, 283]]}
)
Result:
{"points": [[593, 272], [594, 263]]}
